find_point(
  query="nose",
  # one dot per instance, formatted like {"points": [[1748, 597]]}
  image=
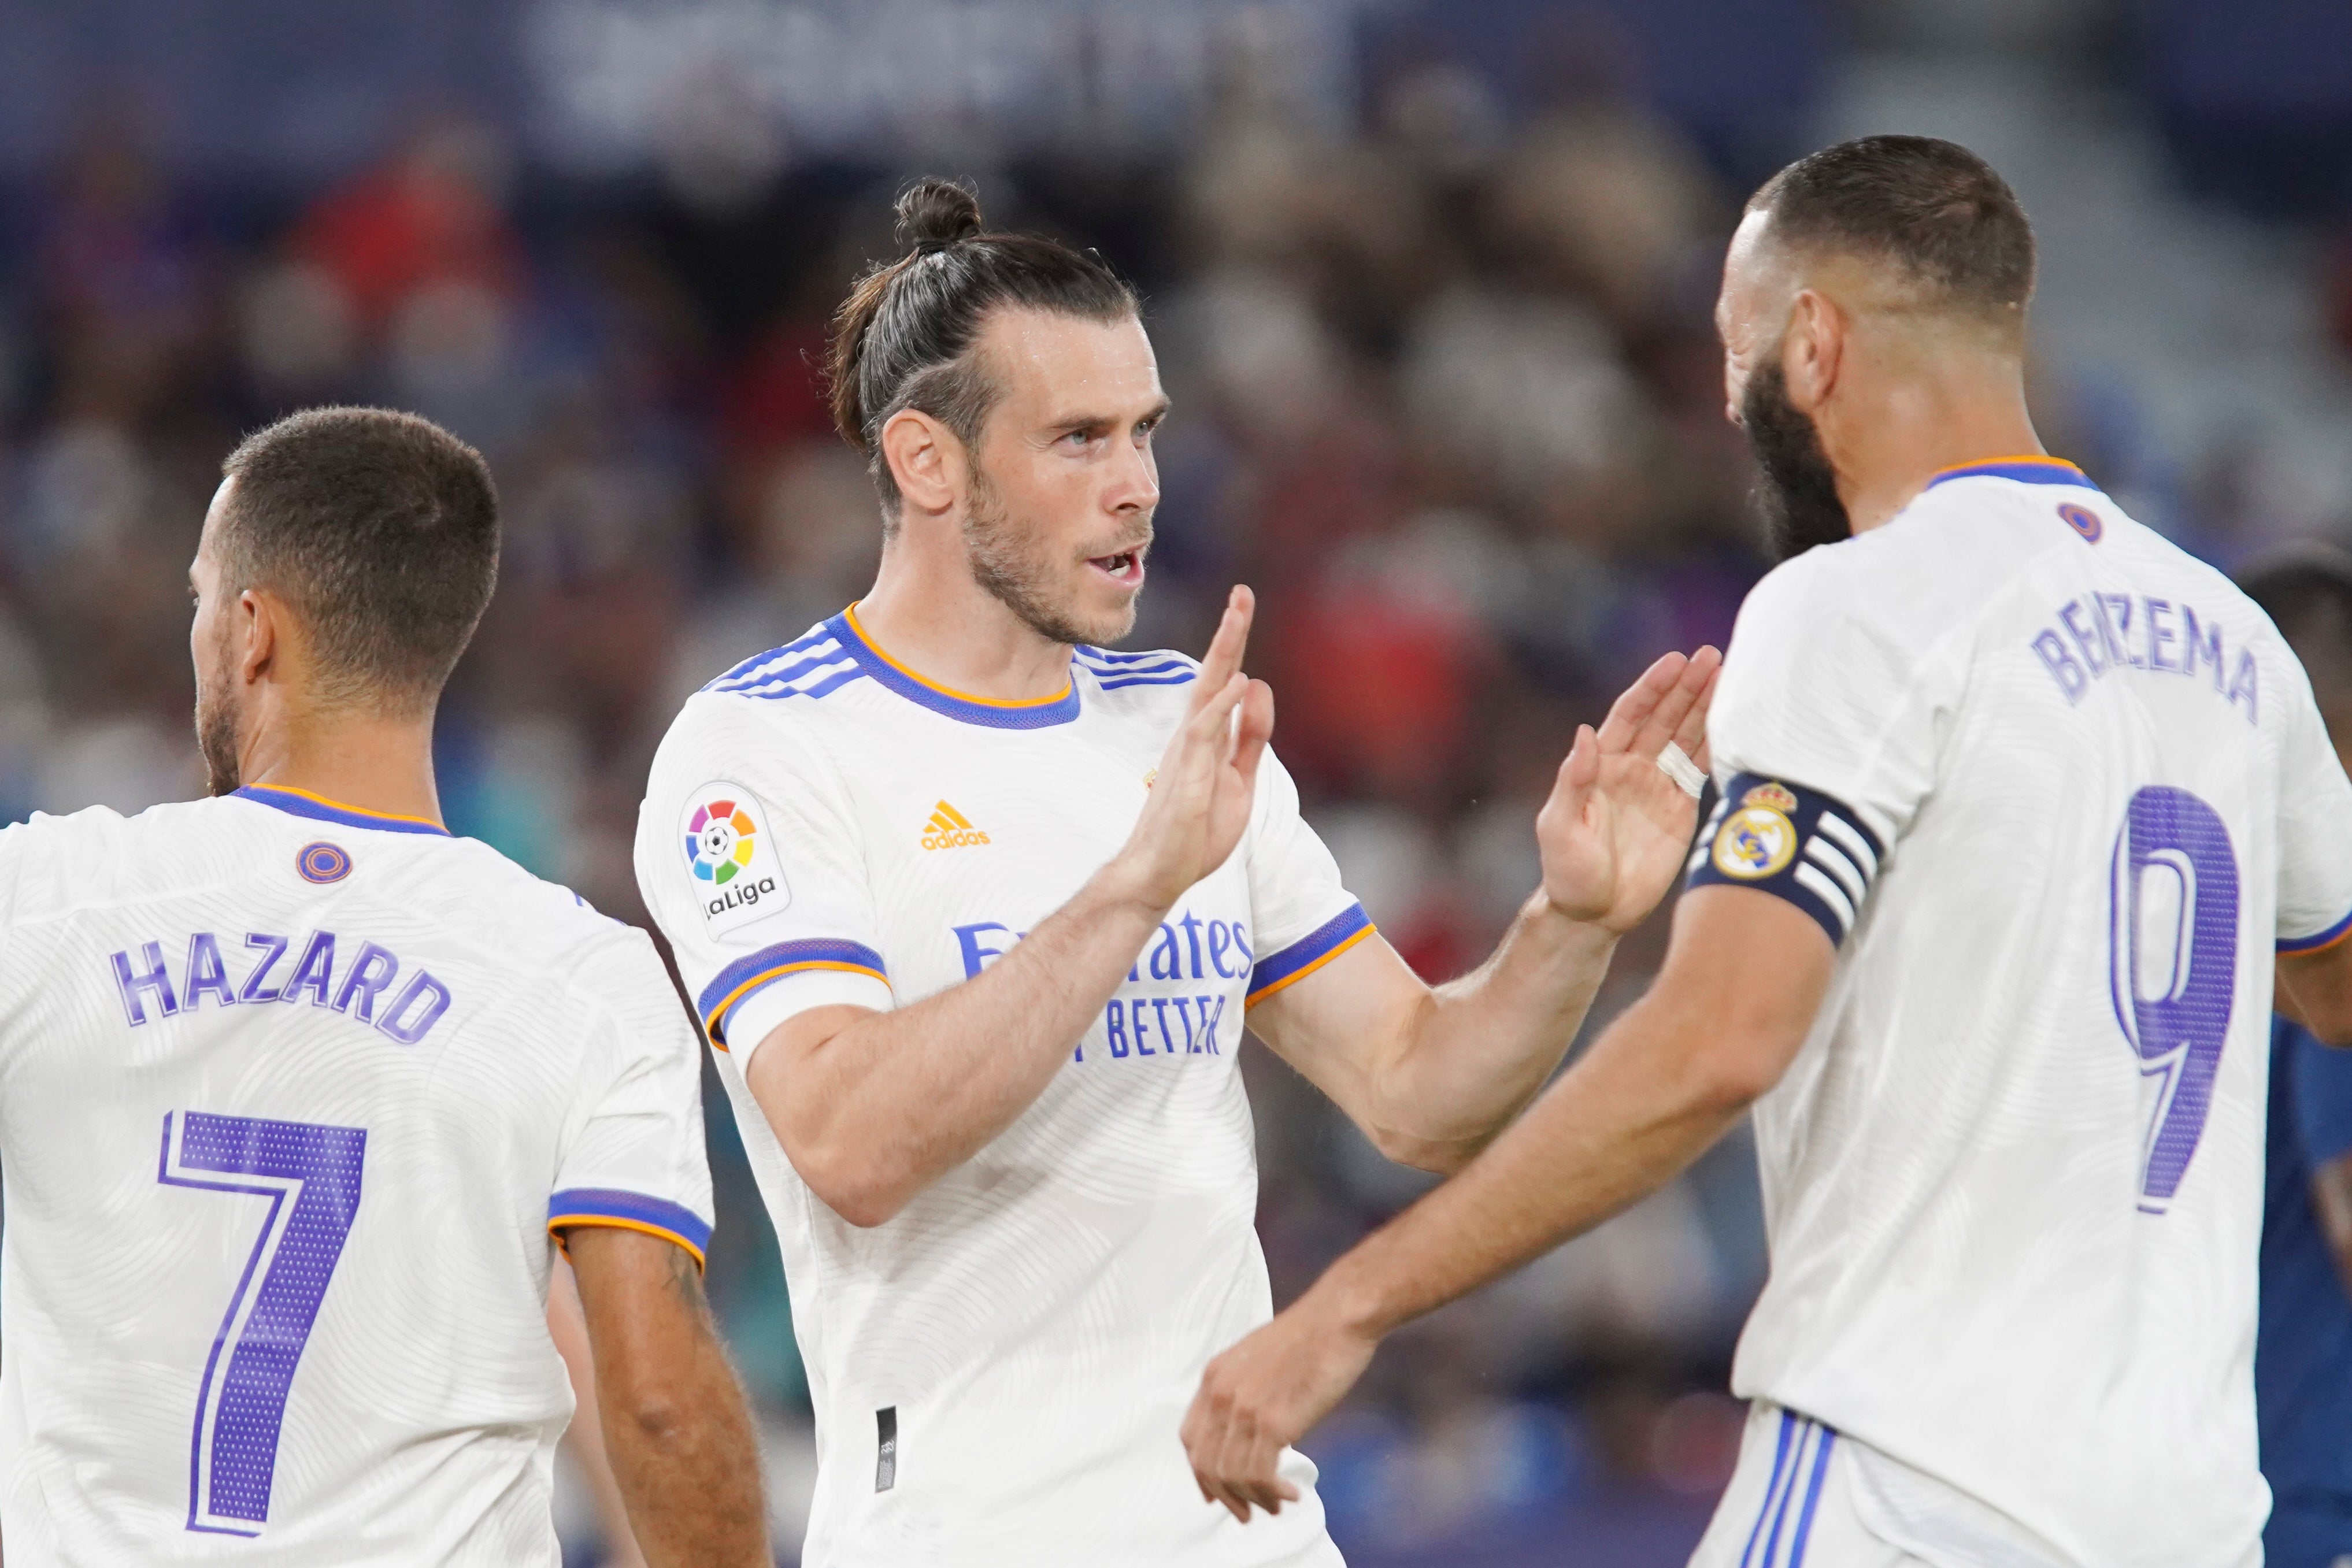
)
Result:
{"points": [[1134, 482]]}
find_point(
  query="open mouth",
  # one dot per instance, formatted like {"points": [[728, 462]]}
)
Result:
{"points": [[1125, 568]]}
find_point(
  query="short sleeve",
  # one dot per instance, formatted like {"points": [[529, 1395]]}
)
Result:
{"points": [[749, 858], [1301, 916], [2314, 894], [2322, 1095], [1823, 732], [634, 1158]]}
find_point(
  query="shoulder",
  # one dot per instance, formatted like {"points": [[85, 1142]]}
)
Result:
{"points": [[538, 924], [1934, 568], [1146, 680], [794, 689]]}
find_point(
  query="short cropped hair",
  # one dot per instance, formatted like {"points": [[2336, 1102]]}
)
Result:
{"points": [[1929, 207], [381, 529]]}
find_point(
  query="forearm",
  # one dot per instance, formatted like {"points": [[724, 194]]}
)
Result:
{"points": [[688, 1468], [676, 1429], [884, 1106], [1617, 1126], [1481, 1047]]}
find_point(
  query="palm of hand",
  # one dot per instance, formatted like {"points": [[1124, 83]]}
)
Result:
{"points": [[1610, 857]]}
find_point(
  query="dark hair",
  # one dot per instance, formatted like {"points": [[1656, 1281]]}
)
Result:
{"points": [[2306, 591], [903, 338], [1932, 208], [381, 529]]}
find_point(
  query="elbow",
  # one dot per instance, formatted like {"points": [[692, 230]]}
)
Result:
{"points": [[2332, 1026], [851, 1186], [1439, 1157], [1738, 1072], [645, 1416]]}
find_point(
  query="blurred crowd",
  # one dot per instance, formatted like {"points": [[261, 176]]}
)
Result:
{"points": [[1446, 393]]}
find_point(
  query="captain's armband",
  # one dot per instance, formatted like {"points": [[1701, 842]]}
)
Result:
{"points": [[1793, 843]]}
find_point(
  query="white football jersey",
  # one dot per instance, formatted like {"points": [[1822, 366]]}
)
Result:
{"points": [[290, 1095], [1000, 1371], [2056, 791]]}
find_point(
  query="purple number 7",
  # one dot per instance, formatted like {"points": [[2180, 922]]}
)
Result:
{"points": [[2172, 950], [240, 1409]]}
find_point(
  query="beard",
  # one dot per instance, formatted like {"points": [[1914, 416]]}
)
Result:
{"points": [[217, 736], [1011, 560], [1799, 495]]}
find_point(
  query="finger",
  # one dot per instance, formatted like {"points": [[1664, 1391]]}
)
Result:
{"points": [[1213, 726], [1637, 702], [1579, 771], [1666, 719], [1266, 1487], [1691, 733], [1254, 731], [1225, 649], [1234, 1456]]}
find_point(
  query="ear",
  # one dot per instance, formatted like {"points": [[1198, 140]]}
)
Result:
{"points": [[926, 459], [1812, 352], [255, 631]]}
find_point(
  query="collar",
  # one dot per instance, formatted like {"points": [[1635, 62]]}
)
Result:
{"points": [[2024, 470], [318, 807], [991, 712]]}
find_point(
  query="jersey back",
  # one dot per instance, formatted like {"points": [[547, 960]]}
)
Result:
{"points": [[2055, 790], [289, 1096]]}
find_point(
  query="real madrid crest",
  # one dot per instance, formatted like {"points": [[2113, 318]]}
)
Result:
{"points": [[1759, 838]]}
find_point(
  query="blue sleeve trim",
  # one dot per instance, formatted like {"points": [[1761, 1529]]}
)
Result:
{"points": [[1310, 953], [2313, 944], [1798, 844], [631, 1211], [747, 977]]}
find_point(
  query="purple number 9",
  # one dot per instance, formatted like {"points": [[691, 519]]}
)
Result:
{"points": [[2173, 965], [310, 1175]]}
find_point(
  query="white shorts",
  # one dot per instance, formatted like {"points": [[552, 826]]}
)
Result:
{"points": [[1790, 1502]]}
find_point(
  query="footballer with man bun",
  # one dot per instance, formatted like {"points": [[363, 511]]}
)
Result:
{"points": [[973, 909]]}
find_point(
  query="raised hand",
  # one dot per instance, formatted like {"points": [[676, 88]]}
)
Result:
{"points": [[1207, 782], [1616, 828]]}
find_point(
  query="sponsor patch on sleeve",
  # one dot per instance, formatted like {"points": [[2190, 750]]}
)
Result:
{"points": [[732, 858], [1796, 843]]}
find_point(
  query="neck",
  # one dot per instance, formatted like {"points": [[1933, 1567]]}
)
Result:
{"points": [[365, 760], [928, 614], [1892, 441]]}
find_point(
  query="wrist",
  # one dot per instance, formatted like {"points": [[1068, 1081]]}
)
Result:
{"points": [[1121, 887], [1351, 1299], [1585, 931]]}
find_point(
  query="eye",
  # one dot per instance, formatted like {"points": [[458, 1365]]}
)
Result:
{"points": [[1078, 440]]}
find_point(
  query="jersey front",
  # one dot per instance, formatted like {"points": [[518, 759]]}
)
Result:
{"points": [[2056, 791], [290, 1097], [1000, 1371]]}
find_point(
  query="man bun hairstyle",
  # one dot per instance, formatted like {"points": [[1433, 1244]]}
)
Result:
{"points": [[381, 529], [904, 337], [1931, 207]]}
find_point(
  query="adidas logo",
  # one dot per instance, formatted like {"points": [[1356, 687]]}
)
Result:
{"points": [[948, 829]]}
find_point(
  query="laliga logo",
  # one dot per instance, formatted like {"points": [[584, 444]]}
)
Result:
{"points": [[721, 840]]}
